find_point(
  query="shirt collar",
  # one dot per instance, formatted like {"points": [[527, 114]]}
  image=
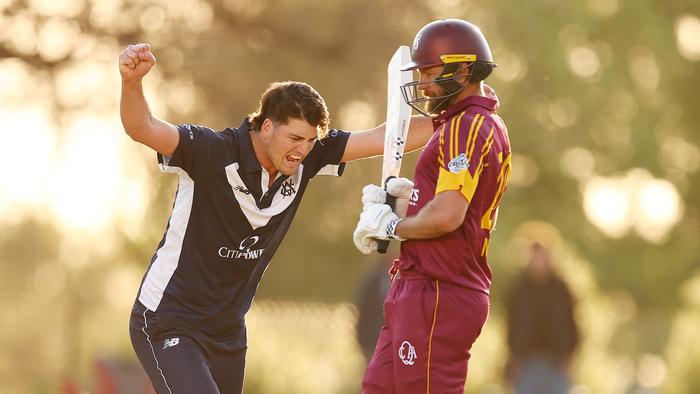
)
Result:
{"points": [[485, 102], [246, 154]]}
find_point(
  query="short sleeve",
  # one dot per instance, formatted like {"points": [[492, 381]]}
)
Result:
{"points": [[465, 142], [195, 152], [327, 153]]}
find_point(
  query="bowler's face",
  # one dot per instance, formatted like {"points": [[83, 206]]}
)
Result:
{"points": [[289, 144]]}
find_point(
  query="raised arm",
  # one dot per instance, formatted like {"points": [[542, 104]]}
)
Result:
{"points": [[368, 143], [134, 63]]}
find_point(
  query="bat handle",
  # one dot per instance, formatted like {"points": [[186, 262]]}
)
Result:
{"points": [[383, 245]]}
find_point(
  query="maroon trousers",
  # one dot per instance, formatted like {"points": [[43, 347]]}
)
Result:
{"points": [[423, 347]]}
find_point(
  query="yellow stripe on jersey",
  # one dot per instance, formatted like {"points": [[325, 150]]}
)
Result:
{"points": [[441, 155], [455, 136], [473, 132], [485, 248], [452, 139], [487, 146]]}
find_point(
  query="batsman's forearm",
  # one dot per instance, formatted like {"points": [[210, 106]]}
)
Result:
{"points": [[134, 111], [428, 223], [443, 214]]}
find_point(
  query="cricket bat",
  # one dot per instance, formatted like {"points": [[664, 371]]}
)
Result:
{"points": [[398, 118]]}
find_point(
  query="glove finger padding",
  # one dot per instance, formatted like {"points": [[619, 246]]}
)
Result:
{"points": [[368, 227], [373, 194], [378, 221], [363, 242], [401, 189]]}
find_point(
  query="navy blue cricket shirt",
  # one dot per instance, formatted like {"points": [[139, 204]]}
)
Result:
{"points": [[225, 225]]}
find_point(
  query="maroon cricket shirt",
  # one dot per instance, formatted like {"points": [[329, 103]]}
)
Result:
{"points": [[469, 152]]}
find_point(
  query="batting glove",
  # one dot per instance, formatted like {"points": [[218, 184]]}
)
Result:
{"points": [[397, 187], [400, 188], [373, 194], [377, 221]]}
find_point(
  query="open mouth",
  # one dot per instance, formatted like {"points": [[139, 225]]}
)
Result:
{"points": [[293, 159]]}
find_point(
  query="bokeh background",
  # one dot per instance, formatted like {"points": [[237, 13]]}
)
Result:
{"points": [[601, 100]]}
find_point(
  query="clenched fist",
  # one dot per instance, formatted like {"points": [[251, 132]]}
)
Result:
{"points": [[135, 61]]}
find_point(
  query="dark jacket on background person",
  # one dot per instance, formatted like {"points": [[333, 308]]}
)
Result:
{"points": [[541, 320]]}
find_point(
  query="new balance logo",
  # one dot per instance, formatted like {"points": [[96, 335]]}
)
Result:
{"points": [[170, 342]]}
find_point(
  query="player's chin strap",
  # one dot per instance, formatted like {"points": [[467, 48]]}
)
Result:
{"points": [[447, 80]]}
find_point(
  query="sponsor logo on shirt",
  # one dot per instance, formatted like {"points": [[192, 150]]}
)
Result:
{"points": [[458, 164], [413, 198], [245, 250], [407, 353], [242, 189]]}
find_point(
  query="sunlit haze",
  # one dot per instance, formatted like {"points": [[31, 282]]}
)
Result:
{"points": [[80, 174], [688, 36], [638, 201]]}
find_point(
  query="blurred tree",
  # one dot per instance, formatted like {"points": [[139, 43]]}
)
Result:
{"points": [[591, 90]]}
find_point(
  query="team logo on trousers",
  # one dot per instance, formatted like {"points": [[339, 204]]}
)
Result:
{"points": [[407, 353]]}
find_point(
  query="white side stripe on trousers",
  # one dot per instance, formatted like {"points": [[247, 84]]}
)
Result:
{"points": [[148, 338]]}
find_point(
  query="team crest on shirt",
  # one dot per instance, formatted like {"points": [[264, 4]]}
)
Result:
{"points": [[458, 164], [287, 189], [407, 353]]}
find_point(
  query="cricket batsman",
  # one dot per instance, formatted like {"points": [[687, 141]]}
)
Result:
{"points": [[439, 297]]}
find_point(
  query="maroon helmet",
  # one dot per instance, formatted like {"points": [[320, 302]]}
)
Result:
{"points": [[448, 43]]}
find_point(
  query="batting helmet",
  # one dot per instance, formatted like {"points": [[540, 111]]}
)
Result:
{"points": [[448, 43]]}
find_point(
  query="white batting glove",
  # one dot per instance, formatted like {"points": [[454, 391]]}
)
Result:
{"points": [[373, 194], [400, 188], [377, 221], [364, 244]]}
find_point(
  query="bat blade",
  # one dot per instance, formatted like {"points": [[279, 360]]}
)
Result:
{"points": [[398, 114], [398, 118]]}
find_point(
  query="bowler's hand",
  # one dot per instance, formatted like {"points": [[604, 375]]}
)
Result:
{"points": [[136, 61]]}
